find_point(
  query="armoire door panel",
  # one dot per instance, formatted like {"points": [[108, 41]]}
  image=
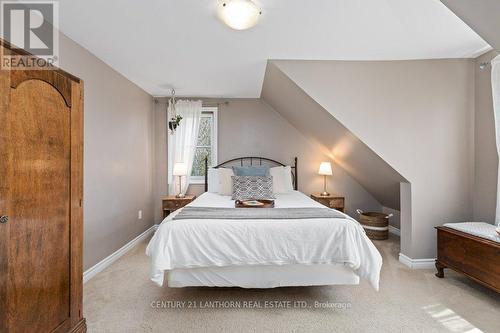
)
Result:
{"points": [[4, 196], [76, 203], [54, 78], [39, 212]]}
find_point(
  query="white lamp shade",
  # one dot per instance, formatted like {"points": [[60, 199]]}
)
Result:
{"points": [[239, 14], [325, 169], [180, 169]]}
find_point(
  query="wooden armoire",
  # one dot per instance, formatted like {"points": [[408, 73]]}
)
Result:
{"points": [[41, 193]]}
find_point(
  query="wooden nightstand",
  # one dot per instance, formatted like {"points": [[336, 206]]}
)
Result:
{"points": [[332, 201], [171, 203]]}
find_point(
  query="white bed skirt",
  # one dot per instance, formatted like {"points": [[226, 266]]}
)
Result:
{"points": [[263, 276]]}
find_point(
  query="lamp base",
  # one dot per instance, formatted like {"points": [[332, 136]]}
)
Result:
{"points": [[325, 194], [180, 195]]}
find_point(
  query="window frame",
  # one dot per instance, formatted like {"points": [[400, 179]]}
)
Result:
{"points": [[213, 111]]}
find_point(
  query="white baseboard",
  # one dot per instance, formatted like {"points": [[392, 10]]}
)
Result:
{"points": [[101, 265], [417, 263], [394, 231]]}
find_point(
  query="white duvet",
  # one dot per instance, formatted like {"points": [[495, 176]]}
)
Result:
{"points": [[217, 243]]}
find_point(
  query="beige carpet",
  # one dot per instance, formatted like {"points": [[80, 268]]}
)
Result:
{"points": [[119, 300]]}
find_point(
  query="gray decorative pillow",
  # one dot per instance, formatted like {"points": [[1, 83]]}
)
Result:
{"points": [[252, 187], [259, 170]]}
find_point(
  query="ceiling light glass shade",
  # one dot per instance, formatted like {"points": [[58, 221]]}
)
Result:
{"points": [[239, 14]]}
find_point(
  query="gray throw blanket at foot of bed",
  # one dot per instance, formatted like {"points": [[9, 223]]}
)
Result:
{"points": [[198, 213]]}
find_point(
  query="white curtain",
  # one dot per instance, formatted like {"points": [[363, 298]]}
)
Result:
{"points": [[495, 85], [182, 143]]}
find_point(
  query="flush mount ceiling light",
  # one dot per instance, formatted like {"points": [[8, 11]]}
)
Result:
{"points": [[239, 14]]}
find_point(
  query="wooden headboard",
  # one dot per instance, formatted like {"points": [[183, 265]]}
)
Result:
{"points": [[253, 161]]}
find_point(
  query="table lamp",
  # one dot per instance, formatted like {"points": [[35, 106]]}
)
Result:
{"points": [[325, 169], [180, 170]]}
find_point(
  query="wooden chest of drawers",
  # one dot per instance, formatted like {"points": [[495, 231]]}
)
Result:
{"points": [[473, 256]]}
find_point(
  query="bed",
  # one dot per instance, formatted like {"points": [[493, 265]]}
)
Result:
{"points": [[261, 252]]}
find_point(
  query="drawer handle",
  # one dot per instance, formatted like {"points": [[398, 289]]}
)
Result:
{"points": [[4, 219]]}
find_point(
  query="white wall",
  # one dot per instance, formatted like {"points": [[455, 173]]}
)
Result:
{"points": [[118, 154]]}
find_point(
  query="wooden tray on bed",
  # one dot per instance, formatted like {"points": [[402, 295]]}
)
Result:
{"points": [[265, 204]]}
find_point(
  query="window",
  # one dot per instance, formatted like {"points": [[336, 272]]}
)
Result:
{"points": [[206, 144]]}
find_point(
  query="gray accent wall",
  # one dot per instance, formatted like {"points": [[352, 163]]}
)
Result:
{"points": [[160, 187], [118, 154], [416, 115], [341, 144], [252, 127], [485, 150]]}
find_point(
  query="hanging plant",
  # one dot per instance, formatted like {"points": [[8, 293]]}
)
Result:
{"points": [[174, 122], [175, 119]]}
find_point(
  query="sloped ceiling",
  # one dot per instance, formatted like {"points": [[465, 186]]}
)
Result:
{"points": [[388, 122], [325, 131], [159, 44], [481, 15]]}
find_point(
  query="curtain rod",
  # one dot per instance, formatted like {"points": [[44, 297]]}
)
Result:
{"points": [[214, 103], [484, 65], [204, 103]]}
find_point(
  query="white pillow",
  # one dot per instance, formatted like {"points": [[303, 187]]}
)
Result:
{"points": [[213, 180], [282, 179], [225, 181], [278, 174], [288, 179]]}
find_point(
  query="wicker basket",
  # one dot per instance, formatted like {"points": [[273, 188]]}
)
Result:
{"points": [[376, 225]]}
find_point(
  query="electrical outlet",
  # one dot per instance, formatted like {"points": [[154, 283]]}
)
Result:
{"points": [[139, 215]]}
